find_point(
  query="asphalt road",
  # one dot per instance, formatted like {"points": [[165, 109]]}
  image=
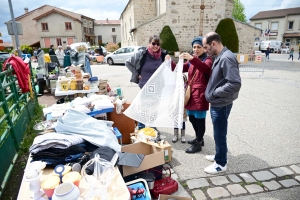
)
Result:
{"points": [[264, 124]]}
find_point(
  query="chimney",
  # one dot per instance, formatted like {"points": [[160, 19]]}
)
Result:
{"points": [[26, 10], [106, 20]]}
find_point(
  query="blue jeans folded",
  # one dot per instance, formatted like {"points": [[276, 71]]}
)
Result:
{"points": [[219, 116]]}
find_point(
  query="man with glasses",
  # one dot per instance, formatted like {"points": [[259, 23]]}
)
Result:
{"points": [[222, 89]]}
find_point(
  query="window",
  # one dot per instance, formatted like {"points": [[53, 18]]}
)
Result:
{"points": [[115, 39], [113, 30], [258, 25], [58, 41], [128, 50], [274, 26], [45, 27], [290, 25], [68, 26]]}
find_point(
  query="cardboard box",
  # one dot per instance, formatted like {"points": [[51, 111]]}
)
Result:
{"points": [[166, 146], [166, 197], [153, 157]]}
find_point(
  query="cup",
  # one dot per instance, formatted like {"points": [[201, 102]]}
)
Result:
{"points": [[49, 184], [73, 177]]}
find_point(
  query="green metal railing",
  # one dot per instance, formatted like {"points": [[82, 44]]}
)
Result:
{"points": [[16, 109]]}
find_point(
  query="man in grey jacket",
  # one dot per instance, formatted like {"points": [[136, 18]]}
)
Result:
{"points": [[222, 89]]}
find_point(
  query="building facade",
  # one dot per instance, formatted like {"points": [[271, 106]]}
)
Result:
{"points": [[282, 24], [48, 25], [107, 31], [187, 19]]}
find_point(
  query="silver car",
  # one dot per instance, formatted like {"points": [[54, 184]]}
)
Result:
{"points": [[121, 55]]}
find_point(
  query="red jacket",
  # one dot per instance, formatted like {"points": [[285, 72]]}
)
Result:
{"points": [[21, 70], [202, 69]]}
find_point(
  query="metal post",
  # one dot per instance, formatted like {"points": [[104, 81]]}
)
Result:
{"points": [[15, 29]]}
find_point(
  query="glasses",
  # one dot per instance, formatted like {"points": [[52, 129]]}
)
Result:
{"points": [[154, 43]]}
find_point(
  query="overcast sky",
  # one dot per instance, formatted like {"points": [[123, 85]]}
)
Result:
{"points": [[111, 9]]}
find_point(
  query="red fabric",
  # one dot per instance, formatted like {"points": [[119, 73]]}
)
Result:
{"points": [[203, 71], [21, 70], [156, 54]]}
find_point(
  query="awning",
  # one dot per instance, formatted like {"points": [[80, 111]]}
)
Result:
{"points": [[286, 35], [36, 44]]}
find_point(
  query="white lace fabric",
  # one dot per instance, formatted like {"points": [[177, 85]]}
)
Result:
{"points": [[160, 102]]}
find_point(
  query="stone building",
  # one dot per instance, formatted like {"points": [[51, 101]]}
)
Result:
{"points": [[187, 18]]}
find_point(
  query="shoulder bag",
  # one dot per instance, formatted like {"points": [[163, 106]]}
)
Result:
{"points": [[188, 91]]}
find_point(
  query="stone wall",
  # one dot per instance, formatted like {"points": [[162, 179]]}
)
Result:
{"points": [[184, 19], [246, 34]]}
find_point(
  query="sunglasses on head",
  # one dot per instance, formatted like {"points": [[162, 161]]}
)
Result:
{"points": [[155, 43]]}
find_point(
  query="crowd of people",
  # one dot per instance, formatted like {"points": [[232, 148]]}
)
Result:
{"points": [[214, 79]]}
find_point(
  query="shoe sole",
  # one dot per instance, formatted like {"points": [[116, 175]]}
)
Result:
{"points": [[210, 159]]}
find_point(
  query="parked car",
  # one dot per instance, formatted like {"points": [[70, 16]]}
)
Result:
{"points": [[87, 46], [274, 45], [122, 54], [4, 56]]}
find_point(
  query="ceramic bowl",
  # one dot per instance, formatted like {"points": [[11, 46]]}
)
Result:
{"points": [[66, 191]]}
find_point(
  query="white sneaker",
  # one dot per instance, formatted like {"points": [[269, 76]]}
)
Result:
{"points": [[210, 158], [215, 168]]}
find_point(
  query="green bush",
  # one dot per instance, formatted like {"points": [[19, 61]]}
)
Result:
{"points": [[46, 50], [168, 39], [227, 31]]}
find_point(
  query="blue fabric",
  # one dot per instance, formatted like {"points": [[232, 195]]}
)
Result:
{"points": [[219, 116], [87, 66], [197, 113], [197, 40], [70, 158], [150, 66]]}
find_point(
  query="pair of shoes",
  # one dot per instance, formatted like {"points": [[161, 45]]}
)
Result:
{"points": [[194, 148], [191, 142], [215, 168]]}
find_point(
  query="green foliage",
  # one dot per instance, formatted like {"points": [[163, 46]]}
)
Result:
{"points": [[168, 39], [119, 44], [238, 11], [46, 50], [227, 31]]}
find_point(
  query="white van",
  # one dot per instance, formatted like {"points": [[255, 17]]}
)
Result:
{"points": [[274, 45]]}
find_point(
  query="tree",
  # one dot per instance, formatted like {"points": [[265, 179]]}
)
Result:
{"points": [[168, 39], [227, 31], [238, 11]]}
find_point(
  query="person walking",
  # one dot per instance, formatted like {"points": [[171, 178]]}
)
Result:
{"points": [[144, 63], [60, 55], [198, 67], [222, 89], [291, 54], [267, 52]]}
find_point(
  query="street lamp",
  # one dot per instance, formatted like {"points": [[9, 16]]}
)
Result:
{"points": [[269, 29], [14, 29]]}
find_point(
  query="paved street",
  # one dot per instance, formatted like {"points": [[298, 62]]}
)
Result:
{"points": [[264, 128], [263, 136]]}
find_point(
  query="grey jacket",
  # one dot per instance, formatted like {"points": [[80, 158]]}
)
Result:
{"points": [[225, 82], [136, 62]]}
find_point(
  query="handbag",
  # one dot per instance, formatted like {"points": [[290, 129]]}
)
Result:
{"points": [[166, 185], [188, 91]]}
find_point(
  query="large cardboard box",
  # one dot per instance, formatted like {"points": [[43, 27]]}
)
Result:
{"points": [[166, 197], [154, 156], [165, 146]]}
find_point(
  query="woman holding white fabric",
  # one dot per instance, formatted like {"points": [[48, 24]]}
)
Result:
{"points": [[145, 62], [198, 67]]}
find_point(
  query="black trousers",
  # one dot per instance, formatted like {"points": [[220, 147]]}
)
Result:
{"points": [[199, 126]]}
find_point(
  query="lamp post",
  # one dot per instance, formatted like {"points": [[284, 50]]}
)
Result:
{"points": [[268, 29], [15, 29]]}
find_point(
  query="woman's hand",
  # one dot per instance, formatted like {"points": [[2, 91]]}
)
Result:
{"points": [[168, 57], [186, 56], [140, 76]]}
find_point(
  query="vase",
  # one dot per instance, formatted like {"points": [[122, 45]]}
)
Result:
{"points": [[66, 191]]}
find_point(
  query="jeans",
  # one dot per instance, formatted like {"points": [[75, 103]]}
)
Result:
{"points": [[219, 116], [267, 56]]}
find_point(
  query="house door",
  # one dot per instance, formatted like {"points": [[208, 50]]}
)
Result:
{"points": [[47, 42], [70, 41]]}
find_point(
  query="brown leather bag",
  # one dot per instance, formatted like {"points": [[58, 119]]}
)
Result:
{"points": [[188, 91]]}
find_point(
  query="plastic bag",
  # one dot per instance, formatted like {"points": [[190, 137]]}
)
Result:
{"points": [[98, 182]]}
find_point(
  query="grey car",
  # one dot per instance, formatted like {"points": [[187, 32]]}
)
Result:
{"points": [[122, 54], [4, 56]]}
